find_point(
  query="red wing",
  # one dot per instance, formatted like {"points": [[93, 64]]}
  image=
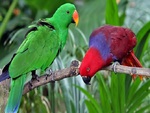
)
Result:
{"points": [[131, 60], [122, 41]]}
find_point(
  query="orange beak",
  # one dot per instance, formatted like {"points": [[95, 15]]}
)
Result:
{"points": [[76, 17]]}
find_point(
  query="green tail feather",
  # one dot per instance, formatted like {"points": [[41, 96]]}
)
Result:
{"points": [[15, 95]]}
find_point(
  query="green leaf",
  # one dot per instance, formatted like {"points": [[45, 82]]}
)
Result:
{"points": [[111, 15], [144, 109], [133, 87], [104, 93], [91, 108], [94, 103], [50, 5], [117, 89], [139, 95], [142, 37], [121, 89]]}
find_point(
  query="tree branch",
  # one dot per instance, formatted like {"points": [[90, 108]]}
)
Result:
{"points": [[73, 70], [55, 76], [145, 72]]}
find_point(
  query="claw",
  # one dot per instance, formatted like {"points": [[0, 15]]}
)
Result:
{"points": [[34, 76], [30, 85], [114, 66], [49, 72], [46, 77]]}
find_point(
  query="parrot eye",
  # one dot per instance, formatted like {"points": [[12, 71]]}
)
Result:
{"points": [[87, 69], [67, 12]]}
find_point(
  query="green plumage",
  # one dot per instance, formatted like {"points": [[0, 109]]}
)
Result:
{"points": [[41, 46], [15, 94], [37, 51]]}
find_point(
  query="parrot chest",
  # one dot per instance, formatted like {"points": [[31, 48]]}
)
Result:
{"points": [[49, 49], [37, 52]]}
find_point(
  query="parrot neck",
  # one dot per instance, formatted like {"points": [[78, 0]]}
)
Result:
{"points": [[63, 36], [61, 29], [57, 23]]}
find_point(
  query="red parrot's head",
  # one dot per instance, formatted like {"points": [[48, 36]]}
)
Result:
{"points": [[91, 63]]}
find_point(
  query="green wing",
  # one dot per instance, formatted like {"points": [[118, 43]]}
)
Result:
{"points": [[38, 50]]}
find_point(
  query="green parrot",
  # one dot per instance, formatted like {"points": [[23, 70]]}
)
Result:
{"points": [[41, 46]]}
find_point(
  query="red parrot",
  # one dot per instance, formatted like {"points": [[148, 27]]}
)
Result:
{"points": [[108, 44]]}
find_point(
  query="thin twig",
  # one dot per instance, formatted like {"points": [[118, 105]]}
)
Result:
{"points": [[7, 17]]}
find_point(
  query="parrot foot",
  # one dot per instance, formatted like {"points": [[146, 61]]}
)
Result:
{"points": [[35, 76], [30, 84], [49, 72], [114, 65]]}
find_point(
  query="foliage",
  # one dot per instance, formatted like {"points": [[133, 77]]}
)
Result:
{"points": [[112, 12], [60, 96], [109, 92], [118, 93]]}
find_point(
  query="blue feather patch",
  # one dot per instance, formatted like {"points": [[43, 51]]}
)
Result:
{"points": [[99, 42], [4, 75]]}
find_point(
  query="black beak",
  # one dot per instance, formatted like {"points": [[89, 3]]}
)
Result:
{"points": [[86, 80]]}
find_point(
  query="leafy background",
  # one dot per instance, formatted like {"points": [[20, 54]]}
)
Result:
{"points": [[108, 92]]}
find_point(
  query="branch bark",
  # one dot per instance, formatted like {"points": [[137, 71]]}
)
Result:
{"points": [[73, 70], [55, 76], [145, 72]]}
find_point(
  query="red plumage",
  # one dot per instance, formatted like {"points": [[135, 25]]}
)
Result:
{"points": [[108, 44]]}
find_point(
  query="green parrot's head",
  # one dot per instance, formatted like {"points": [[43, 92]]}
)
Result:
{"points": [[66, 14]]}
